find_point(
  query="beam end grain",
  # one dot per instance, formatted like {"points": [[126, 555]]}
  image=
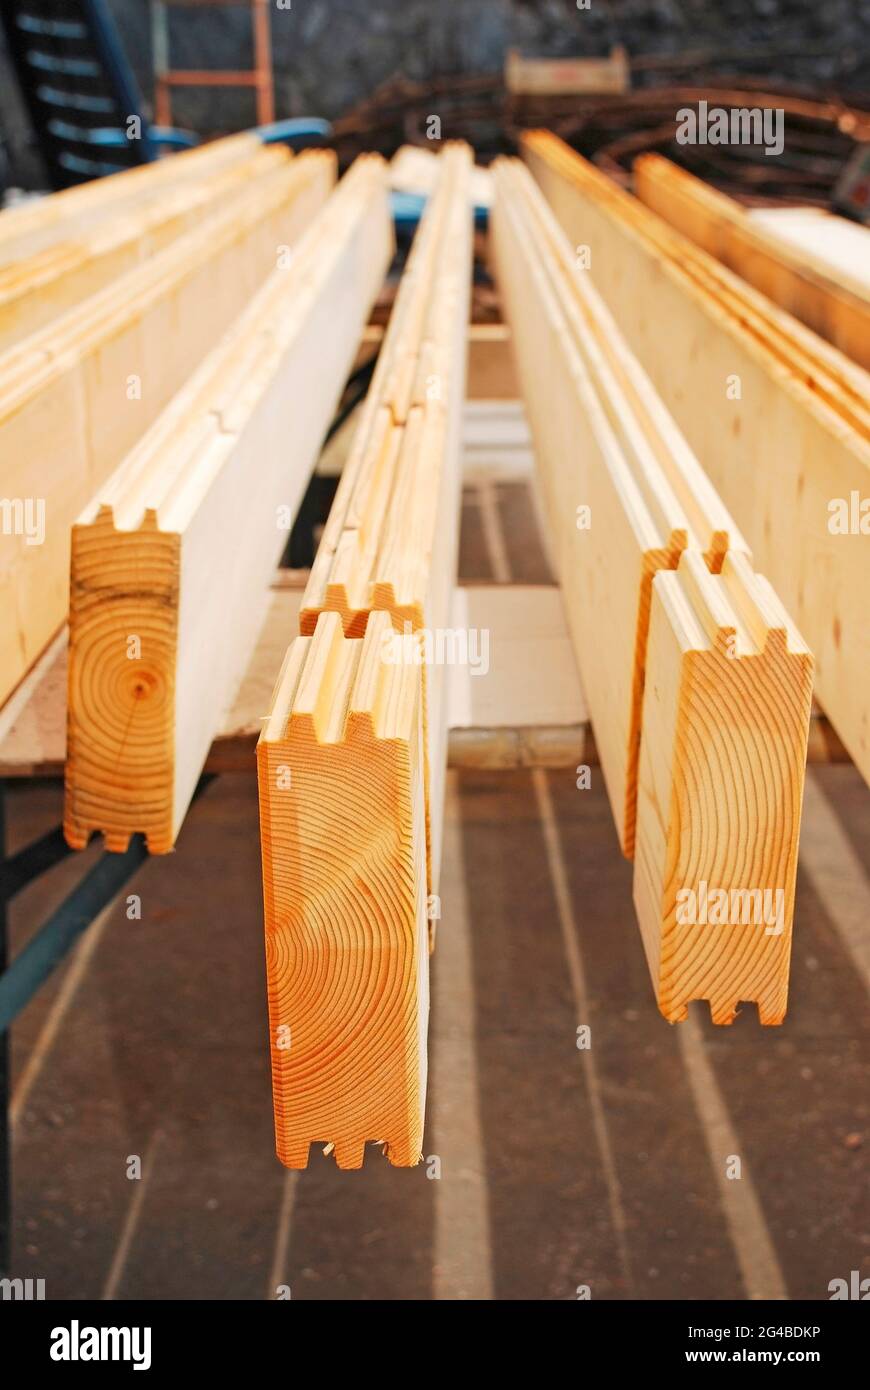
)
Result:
{"points": [[124, 590], [726, 715], [340, 772]]}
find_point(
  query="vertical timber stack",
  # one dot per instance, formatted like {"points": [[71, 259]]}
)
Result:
{"points": [[175, 552], [391, 538], [352, 759], [702, 748]]}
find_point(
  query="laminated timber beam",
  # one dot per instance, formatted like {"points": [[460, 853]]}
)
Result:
{"points": [[37, 289], [837, 308], [390, 541], [832, 376], [38, 224], [351, 836], [632, 405], [170, 560], [724, 735], [77, 395], [623, 496], [342, 814], [792, 467], [729, 754]]}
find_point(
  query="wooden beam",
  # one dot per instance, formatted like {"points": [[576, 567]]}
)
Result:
{"points": [[390, 541], [725, 719], [670, 758], [838, 245], [351, 847], [39, 223], [785, 460], [831, 303], [621, 506], [170, 560], [39, 288], [343, 824], [77, 395]]}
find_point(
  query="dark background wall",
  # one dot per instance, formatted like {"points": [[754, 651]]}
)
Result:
{"points": [[329, 54]]}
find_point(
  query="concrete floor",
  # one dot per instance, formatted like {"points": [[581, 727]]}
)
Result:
{"points": [[558, 1167]]}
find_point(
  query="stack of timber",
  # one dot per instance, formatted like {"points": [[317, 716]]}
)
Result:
{"points": [[631, 518], [35, 225], [606, 445], [78, 394], [833, 303], [352, 759], [171, 559], [37, 288], [833, 377], [777, 416], [559, 77]]}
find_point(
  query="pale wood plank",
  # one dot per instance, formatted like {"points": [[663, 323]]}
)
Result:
{"points": [[351, 845], [175, 553], [39, 223], [829, 301], [779, 454], [43, 285], [77, 395], [622, 493]]}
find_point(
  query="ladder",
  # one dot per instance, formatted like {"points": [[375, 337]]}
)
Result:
{"points": [[259, 76]]}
